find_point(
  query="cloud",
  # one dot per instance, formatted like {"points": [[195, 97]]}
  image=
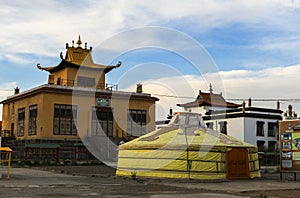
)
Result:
{"points": [[6, 89], [41, 29], [42, 26], [285, 45], [271, 83], [15, 59]]}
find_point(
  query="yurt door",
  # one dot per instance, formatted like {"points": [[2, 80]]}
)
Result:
{"points": [[237, 163]]}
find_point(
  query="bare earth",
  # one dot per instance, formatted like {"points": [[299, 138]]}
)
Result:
{"points": [[100, 181]]}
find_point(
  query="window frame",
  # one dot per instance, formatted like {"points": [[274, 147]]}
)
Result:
{"points": [[223, 127], [210, 125], [102, 121], [271, 131], [272, 146], [65, 120], [21, 122], [261, 145], [32, 119], [136, 122], [8, 109], [260, 128], [84, 81]]}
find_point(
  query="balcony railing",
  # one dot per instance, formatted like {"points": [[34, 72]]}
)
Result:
{"points": [[65, 82], [6, 133], [111, 87]]}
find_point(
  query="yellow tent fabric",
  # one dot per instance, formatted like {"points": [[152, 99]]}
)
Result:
{"points": [[187, 153]]}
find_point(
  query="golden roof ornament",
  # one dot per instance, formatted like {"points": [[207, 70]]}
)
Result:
{"points": [[80, 57], [210, 88], [79, 42]]}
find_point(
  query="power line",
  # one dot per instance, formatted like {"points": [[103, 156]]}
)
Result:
{"points": [[173, 96], [267, 99], [5, 89], [238, 99]]}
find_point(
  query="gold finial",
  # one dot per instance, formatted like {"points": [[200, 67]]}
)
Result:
{"points": [[79, 42], [210, 88], [139, 88], [278, 104]]}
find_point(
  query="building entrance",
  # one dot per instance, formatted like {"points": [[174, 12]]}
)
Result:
{"points": [[237, 163]]}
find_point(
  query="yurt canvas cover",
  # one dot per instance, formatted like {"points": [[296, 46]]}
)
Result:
{"points": [[189, 153]]}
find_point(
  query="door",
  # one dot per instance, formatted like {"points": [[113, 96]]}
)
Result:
{"points": [[102, 121], [12, 129], [237, 163]]}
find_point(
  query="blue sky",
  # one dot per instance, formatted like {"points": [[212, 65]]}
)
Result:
{"points": [[254, 44]]}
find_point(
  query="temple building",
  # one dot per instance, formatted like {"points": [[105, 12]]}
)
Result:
{"points": [[76, 106], [255, 125], [208, 102]]}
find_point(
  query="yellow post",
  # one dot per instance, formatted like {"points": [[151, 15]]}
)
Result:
{"points": [[8, 151], [8, 165]]}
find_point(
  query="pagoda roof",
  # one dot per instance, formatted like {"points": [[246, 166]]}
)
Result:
{"points": [[78, 57], [209, 99]]}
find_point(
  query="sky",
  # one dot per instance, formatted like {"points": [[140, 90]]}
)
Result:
{"points": [[174, 48]]}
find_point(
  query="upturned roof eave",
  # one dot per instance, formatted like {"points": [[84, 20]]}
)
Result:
{"points": [[63, 64]]}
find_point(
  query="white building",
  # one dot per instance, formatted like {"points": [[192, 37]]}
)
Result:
{"points": [[257, 126]]}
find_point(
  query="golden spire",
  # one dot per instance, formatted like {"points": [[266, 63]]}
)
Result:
{"points": [[210, 88], [79, 42]]}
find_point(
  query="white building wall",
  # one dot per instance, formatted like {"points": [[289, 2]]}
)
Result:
{"points": [[250, 130], [244, 129], [236, 128]]}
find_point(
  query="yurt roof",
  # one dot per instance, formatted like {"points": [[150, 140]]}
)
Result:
{"points": [[176, 137]]}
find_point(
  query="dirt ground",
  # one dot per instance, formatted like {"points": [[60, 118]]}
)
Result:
{"points": [[100, 181], [103, 171]]}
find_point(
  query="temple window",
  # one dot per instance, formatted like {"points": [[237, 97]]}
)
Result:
{"points": [[260, 128], [21, 122], [272, 129], [102, 121], [65, 119], [223, 127], [86, 81], [32, 127], [58, 81], [136, 122]]}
